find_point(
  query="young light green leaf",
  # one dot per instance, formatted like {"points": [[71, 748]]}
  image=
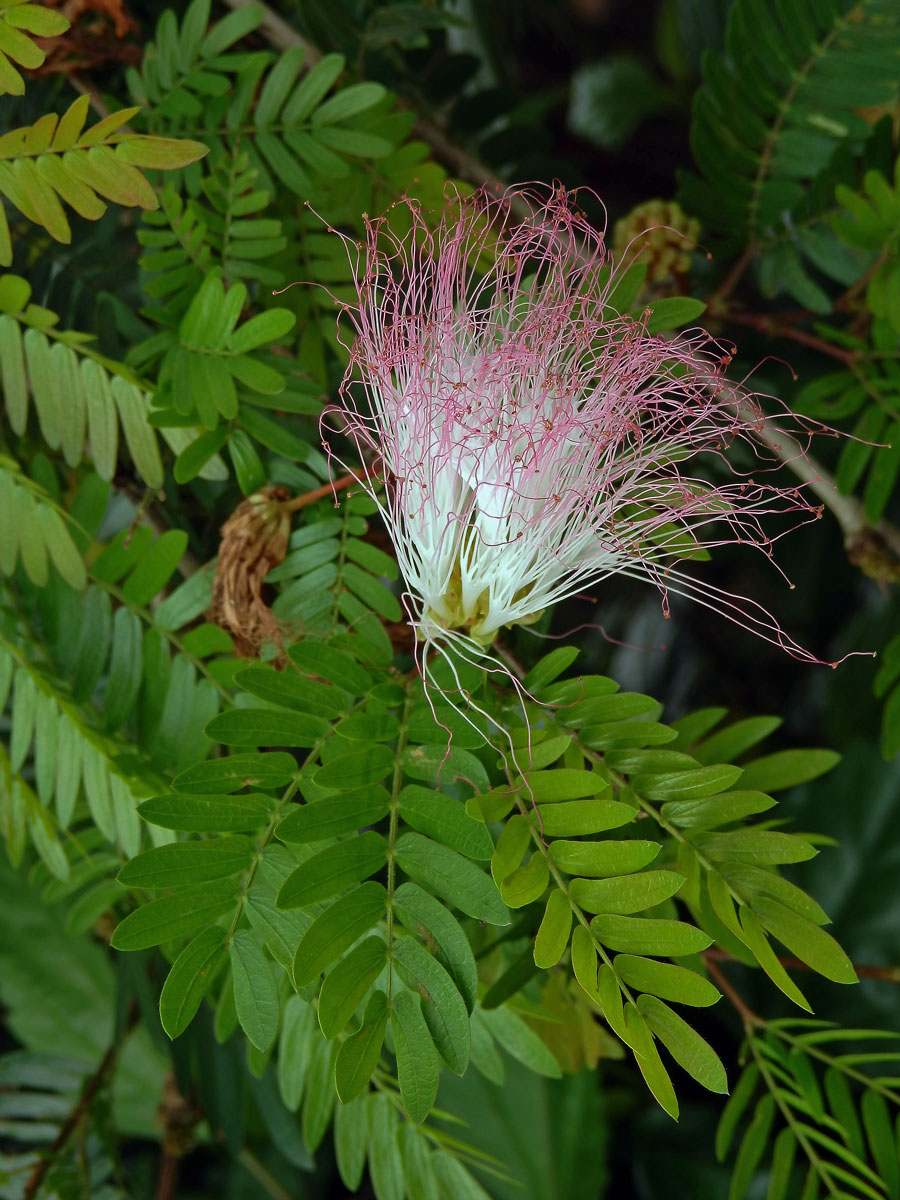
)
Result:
{"points": [[650, 935], [572, 818], [754, 936], [603, 858], [553, 934], [626, 894], [685, 1045], [666, 980], [650, 1064], [809, 942]]}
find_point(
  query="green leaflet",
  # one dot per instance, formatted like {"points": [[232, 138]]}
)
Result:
{"points": [[573, 818], [176, 916], [665, 980], [274, 769], [340, 814], [787, 768], [351, 1134], [347, 983], [647, 1058], [336, 929], [519, 1040], [685, 1045], [598, 859], [443, 1008], [808, 941], [334, 870], [626, 894], [255, 991], [358, 1055], [187, 863], [422, 914], [553, 934], [688, 785], [564, 783], [208, 813], [417, 1065], [256, 727], [323, 661], [298, 1031], [452, 877], [753, 1147], [359, 768], [754, 936], [649, 935], [445, 820]]}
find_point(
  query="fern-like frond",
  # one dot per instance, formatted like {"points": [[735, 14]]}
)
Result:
{"points": [[57, 161], [81, 398], [33, 529], [294, 128], [831, 1113], [17, 21], [775, 105]]}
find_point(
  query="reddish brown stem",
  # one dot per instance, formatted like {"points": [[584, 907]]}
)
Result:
{"points": [[747, 1015], [734, 276], [80, 1111], [777, 329], [864, 970], [319, 493]]}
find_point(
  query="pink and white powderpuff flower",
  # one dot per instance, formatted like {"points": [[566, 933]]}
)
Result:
{"points": [[532, 441]]}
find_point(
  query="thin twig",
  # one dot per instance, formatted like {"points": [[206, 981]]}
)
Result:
{"points": [[747, 1015], [252, 1164], [319, 493], [775, 328], [864, 970], [81, 1109]]}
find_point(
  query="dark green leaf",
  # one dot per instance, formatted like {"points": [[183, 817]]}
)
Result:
{"points": [[452, 877], [358, 1055], [255, 992], [334, 870], [336, 929], [417, 1065]]}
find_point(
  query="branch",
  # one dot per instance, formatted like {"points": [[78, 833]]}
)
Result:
{"points": [[82, 1108], [747, 1015], [863, 970]]}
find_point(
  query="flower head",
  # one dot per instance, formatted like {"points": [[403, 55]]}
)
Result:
{"points": [[535, 440]]}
